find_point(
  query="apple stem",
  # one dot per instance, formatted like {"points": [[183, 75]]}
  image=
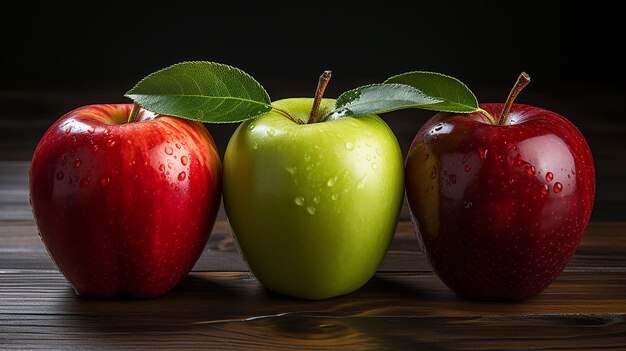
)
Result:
{"points": [[319, 93], [486, 114], [134, 112], [522, 81]]}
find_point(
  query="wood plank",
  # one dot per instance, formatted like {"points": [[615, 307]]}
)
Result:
{"points": [[393, 311]]}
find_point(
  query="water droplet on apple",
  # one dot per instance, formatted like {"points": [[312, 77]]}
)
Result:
{"points": [[94, 148], [184, 160], [182, 176], [334, 197], [530, 170], [558, 187], [77, 163], [177, 145], [331, 181], [452, 178], [60, 175], [361, 184], [549, 177], [467, 168], [311, 210], [316, 199], [251, 126], [63, 160], [271, 132], [378, 151], [349, 146], [162, 168], [291, 169], [374, 165], [299, 200], [307, 157], [68, 130], [255, 145], [176, 188], [438, 127], [544, 189], [468, 204], [91, 130], [111, 143], [104, 181], [368, 157], [482, 152], [169, 150]]}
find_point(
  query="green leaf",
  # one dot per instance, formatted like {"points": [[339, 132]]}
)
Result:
{"points": [[379, 98], [202, 91], [454, 96]]}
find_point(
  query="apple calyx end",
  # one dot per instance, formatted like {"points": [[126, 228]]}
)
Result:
{"points": [[520, 84], [319, 94]]}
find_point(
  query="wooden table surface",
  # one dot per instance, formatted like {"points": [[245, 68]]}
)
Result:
{"points": [[221, 306]]}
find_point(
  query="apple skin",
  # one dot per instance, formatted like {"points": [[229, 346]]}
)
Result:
{"points": [[499, 210], [124, 208], [313, 207]]}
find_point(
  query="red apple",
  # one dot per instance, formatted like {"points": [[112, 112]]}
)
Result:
{"points": [[499, 209], [124, 208]]}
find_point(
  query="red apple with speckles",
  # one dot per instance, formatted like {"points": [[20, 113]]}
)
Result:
{"points": [[499, 208], [124, 208]]}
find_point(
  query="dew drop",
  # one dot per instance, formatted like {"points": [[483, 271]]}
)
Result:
{"points": [[291, 169], [184, 160], [162, 168], [544, 189], [374, 165], [361, 184], [169, 150], [77, 163], [558, 187], [68, 130], [467, 168], [299, 200], [91, 130], [94, 148], [452, 178], [334, 197], [316, 199], [104, 181], [60, 175], [255, 145], [482, 152], [311, 210], [349, 146], [251, 126], [530, 170], [176, 188], [177, 145], [549, 176], [271, 132], [433, 172], [438, 127], [182, 176], [169, 165], [111, 143], [331, 181], [63, 160]]}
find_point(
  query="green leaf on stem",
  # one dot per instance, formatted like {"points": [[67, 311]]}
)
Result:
{"points": [[453, 95], [379, 98], [202, 91]]}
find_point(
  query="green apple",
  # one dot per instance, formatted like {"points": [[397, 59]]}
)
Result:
{"points": [[313, 207]]}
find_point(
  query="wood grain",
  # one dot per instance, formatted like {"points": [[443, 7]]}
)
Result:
{"points": [[232, 311]]}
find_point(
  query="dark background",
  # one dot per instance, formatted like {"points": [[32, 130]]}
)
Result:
{"points": [[56, 57]]}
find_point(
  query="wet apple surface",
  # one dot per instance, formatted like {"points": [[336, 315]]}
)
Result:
{"points": [[500, 209]]}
